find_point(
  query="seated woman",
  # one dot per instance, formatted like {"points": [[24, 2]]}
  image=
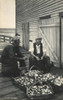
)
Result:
{"points": [[42, 62]]}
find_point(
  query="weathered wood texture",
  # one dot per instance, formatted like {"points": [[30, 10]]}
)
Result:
{"points": [[25, 35], [7, 31], [9, 91], [62, 41], [51, 37], [31, 11]]}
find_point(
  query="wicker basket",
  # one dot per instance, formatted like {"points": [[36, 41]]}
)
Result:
{"points": [[39, 96], [17, 84], [56, 88]]}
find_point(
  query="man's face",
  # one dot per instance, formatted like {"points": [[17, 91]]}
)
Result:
{"points": [[16, 43], [38, 41]]}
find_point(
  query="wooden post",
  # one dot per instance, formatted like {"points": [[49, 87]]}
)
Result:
{"points": [[4, 38], [60, 43]]}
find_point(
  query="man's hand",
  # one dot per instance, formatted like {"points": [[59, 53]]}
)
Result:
{"points": [[38, 58], [42, 58], [21, 58], [25, 58], [18, 64]]}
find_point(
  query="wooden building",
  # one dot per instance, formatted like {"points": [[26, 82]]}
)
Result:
{"points": [[42, 18], [32, 19]]}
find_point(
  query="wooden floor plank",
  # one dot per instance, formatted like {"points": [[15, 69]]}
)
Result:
{"points": [[2, 84], [5, 86], [8, 90], [5, 79], [7, 93]]}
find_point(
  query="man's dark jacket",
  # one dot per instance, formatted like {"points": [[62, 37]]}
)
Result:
{"points": [[8, 58]]}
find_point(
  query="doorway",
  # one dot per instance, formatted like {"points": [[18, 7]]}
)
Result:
{"points": [[50, 32], [25, 35], [62, 41]]}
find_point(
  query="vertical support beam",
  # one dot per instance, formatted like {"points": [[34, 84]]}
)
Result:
{"points": [[4, 38], [60, 43], [15, 17]]}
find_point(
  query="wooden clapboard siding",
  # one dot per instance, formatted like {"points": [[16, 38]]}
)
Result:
{"points": [[31, 11], [36, 8], [33, 30], [7, 31]]}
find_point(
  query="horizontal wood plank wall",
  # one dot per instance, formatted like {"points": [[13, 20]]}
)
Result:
{"points": [[7, 31], [33, 32], [30, 9]]}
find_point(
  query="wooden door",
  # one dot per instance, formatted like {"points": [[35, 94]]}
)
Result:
{"points": [[25, 35], [49, 31], [62, 42]]}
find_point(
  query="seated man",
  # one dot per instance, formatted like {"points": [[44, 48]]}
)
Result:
{"points": [[42, 62], [12, 58]]}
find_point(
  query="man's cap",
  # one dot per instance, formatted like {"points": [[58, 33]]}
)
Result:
{"points": [[15, 39], [17, 34], [38, 38]]}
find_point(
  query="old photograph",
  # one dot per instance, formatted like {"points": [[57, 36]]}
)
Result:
{"points": [[31, 46]]}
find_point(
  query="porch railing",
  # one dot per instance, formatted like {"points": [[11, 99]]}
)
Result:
{"points": [[4, 38]]}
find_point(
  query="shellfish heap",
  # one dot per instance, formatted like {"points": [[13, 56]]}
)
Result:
{"points": [[36, 83]]}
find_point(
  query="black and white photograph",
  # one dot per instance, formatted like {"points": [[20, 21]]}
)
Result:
{"points": [[31, 49]]}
